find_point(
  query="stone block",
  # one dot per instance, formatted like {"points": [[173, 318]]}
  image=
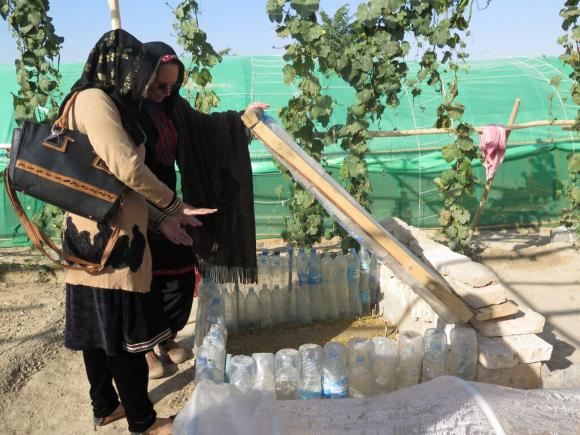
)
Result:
{"points": [[478, 297], [495, 354], [419, 246], [401, 230], [402, 307], [530, 348], [449, 263], [472, 273], [525, 376], [527, 321]]}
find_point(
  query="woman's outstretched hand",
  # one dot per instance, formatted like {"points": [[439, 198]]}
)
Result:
{"points": [[256, 106], [173, 227]]}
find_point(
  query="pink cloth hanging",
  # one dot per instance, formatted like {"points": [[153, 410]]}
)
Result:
{"points": [[492, 145]]}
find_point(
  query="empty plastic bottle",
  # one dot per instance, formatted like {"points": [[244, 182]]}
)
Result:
{"points": [[264, 275], [359, 358], [334, 371], [243, 371], [287, 365], [410, 358], [252, 309], [374, 280], [277, 270], [265, 380], [241, 303], [385, 361], [210, 363], [462, 361], [341, 283], [311, 373], [353, 273], [303, 311], [364, 282], [315, 286], [230, 309], [217, 335], [277, 305], [265, 307], [290, 291], [435, 351], [329, 288]]}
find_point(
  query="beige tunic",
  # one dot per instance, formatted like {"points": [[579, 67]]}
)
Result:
{"points": [[96, 115]]}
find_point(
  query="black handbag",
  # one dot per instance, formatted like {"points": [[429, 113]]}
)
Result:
{"points": [[59, 166]]}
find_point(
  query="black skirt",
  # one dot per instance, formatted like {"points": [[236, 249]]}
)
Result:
{"points": [[113, 320]]}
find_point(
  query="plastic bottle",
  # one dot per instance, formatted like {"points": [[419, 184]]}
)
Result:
{"points": [[241, 302], [435, 351], [287, 365], [364, 282], [265, 380], [277, 305], [311, 373], [385, 361], [334, 371], [242, 371], [341, 282], [374, 283], [210, 363], [217, 335], [264, 275], [359, 357], [329, 287], [265, 307], [410, 358], [462, 361], [303, 312], [252, 309], [290, 293], [276, 270], [353, 273], [230, 309], [315, 287]]}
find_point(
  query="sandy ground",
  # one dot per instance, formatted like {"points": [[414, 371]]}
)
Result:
{"points": [[43, 389]]}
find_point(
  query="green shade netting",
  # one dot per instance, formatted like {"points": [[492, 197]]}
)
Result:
{"points": [[401, 169]]}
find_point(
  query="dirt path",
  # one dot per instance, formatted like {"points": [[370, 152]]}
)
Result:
{"points": [[43, 389]]}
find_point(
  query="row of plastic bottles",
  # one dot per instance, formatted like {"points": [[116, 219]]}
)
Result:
{"points": [[363, 368], [301, 289]]}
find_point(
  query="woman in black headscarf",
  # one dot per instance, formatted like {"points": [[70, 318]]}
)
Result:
{"points": [[111, 315], [213, 158]]}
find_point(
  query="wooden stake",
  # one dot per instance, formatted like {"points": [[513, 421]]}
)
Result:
{"points": [[310, 170], [489, 182], [115, 14]]}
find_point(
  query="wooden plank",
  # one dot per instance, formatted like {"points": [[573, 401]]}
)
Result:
{"points": [[315, 174], [496, 311]]}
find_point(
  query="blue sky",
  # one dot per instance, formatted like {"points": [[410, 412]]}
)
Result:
{"points": [[505, 28]]}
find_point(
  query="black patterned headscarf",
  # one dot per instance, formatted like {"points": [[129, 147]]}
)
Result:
{"points": [[116, 66]]}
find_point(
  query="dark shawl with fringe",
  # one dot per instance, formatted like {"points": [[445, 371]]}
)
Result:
{"points": [[216, 172]]}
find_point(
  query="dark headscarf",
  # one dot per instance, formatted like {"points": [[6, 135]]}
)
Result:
{"points": [[216, 172], [117, 66]]}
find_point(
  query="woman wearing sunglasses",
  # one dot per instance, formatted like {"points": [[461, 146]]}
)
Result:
{"points": [[212, 154]]}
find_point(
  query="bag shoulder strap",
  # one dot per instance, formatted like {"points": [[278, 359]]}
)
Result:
{"points": [[39, 239], [62, 121]]}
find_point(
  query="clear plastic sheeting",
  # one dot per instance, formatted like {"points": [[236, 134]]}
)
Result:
{"points": [[444, 405]]}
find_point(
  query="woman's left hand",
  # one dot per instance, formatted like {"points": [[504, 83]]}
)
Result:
{"points": [[256, 106]]}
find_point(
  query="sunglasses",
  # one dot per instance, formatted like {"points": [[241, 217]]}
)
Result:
{"points": [[165, 86]]}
